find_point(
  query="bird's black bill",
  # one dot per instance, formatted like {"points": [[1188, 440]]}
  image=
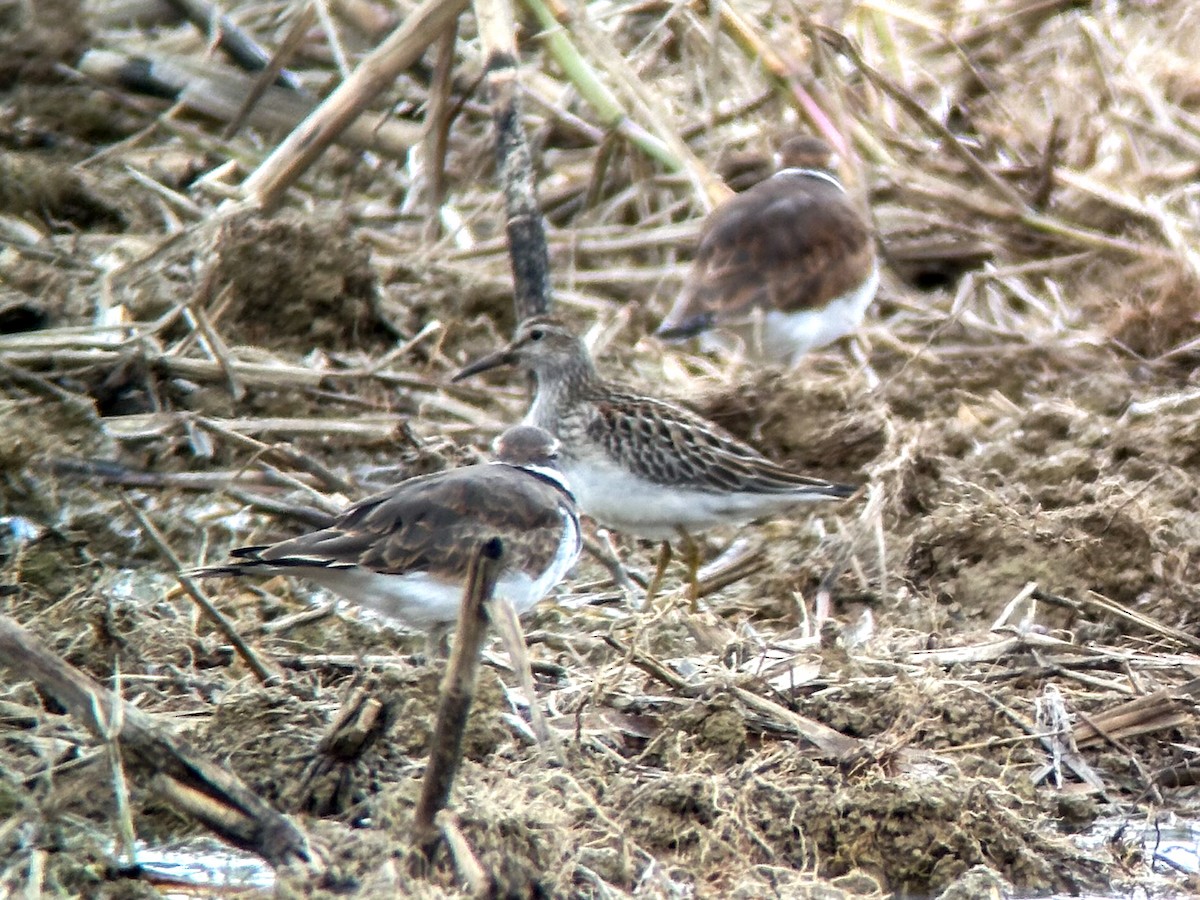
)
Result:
{"points": [[491, 361], [689, 327]]}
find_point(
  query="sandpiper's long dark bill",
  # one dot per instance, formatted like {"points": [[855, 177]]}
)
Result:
{"points": [[404, 552], [782, 268], [638, 464]]}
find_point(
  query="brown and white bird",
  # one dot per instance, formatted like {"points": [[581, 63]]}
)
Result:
{"points": [[404, 552], [782, 268], [637, 464]]}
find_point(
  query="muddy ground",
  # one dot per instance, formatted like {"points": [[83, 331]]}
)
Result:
{"points": [[1021, 408]]}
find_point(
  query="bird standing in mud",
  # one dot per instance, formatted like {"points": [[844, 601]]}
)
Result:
{"points": [[781, 269], [404, 552], [638, 464]]}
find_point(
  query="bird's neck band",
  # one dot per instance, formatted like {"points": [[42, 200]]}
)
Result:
{"points": [[812, 173]]}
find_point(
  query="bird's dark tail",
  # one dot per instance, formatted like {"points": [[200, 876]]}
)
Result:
{"points": [[246, 559], [689, 327]]}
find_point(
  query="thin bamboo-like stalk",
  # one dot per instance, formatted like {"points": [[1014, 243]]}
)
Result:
{"points": [[675, 153], [525, 227], [374, 74], [457, 693]]}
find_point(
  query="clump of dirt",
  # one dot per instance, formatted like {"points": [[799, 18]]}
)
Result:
{"points": [[33, 433], [936, 388], [521, 824], [914, 836], [979, 881], [55, 192], [978, 553], [711, 733], [917, 836], [294, 283], [419, 290], [35, 36], [929, 714], [1159, 312], [829, 424], [1052, 492]]}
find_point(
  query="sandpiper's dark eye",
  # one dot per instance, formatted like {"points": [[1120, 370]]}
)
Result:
{"points": [[537, 334]]}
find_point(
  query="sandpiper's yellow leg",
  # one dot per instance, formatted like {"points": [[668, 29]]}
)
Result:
{"points": [[691, 556], [660, 570]]}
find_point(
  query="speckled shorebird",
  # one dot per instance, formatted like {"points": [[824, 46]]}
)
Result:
{"points": [[637, 464], [404, 552], [782, 268]]}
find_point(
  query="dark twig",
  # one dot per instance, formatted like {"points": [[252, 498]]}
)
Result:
{"points": [[526, 229], [193, 784], [265, 673], [238, 45], [286, 50], [457, 692]]}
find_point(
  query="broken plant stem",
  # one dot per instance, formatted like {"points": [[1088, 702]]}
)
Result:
{"points": [[525, 227], [374, 74], [193, 784], [457, 693], [267, 674]]}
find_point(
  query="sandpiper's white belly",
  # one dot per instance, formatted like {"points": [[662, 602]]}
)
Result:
{"points": [[422, 600], [784, 337], [621, 500]]}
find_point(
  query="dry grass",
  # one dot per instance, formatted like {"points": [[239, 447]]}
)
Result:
{"points": [[1014, 593]]}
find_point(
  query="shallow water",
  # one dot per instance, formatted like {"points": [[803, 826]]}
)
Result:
{"points": [[179, 868], [1171, 849]]}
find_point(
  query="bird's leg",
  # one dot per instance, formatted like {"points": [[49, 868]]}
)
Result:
{"points": [[660, 570], [437, 642], [757, 328], [691, 556], [603, 550]]}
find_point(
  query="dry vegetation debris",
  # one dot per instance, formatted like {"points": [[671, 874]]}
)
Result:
{"points": [[1014, 593]]}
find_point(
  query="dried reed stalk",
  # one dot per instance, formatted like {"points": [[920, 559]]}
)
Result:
{"points": [[457, 694], [524, 225], [194, 785], [375, 73]]}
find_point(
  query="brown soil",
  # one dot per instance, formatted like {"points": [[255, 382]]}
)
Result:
{"points": [[1021, 409]]}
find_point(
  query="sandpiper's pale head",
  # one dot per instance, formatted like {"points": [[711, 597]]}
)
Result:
{"points": [[526, 445], [806, 152], [543, 345]]}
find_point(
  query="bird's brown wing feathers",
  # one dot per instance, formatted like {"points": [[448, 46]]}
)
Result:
{"points": [[781, 245], [435, 522], [673, 446]]}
